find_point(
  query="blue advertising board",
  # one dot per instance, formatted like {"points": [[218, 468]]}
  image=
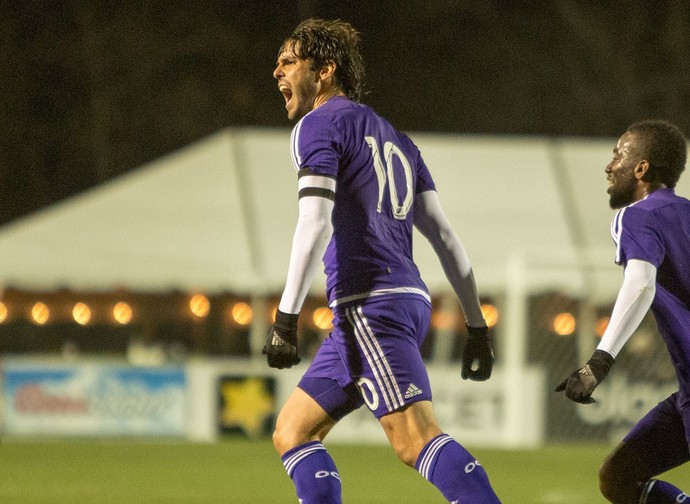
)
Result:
{"points": [[93, 399]]}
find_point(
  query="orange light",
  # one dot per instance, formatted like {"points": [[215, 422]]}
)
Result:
{"points": [[40, 313], [122, 313], [323, 318], [4, 312], [442, 319], [81, 313], [563, 324], [490, 314], [601, 326], [242, 313], [199, 305]]}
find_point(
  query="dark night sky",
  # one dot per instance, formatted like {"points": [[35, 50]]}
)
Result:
{"points": [[93, 89]]}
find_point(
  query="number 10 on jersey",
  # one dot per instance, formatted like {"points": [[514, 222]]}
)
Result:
{"points": [[385, 173]]}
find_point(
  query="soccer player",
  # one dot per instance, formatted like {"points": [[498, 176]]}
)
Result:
{"points": [[362, 187], [651, 231]]}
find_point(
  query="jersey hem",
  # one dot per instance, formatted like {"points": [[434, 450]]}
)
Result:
{"points": [[381, 292]]}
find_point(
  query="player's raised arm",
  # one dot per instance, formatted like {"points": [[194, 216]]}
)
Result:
{"points": [[430, 220], [312, 234]]}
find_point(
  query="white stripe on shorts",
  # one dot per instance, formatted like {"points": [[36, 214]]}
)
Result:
{"points": [[376, 359]]}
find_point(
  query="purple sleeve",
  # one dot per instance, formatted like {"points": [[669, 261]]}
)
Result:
{"points": [[639, 238], [315, 145], [424, 180]]}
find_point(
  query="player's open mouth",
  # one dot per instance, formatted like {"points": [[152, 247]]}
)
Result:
{"points": [[287, 93]]}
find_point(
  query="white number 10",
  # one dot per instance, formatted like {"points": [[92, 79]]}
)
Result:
{"points": [[400, 210]]}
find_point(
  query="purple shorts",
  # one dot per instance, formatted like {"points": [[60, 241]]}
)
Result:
{"points": [[662, 437], [372, 357]]}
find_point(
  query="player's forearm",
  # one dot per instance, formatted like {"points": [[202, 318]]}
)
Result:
{"points": [[312, 234], [433, 224], [634, 300], [458, 270]]}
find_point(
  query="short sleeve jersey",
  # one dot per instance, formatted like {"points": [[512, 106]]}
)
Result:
{"points": [[378, 171], [656, 229]]}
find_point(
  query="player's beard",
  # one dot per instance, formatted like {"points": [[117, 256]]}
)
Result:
{"points": [[622, 192]]}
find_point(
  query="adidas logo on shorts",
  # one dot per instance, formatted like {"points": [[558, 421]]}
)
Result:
{"points": [[412, 391]]}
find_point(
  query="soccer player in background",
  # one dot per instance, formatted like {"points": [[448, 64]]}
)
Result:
{"points": [[362, 187], [651, 231]]}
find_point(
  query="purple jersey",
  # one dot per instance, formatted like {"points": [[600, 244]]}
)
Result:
{"points": [[656, 229], [378, 172]]}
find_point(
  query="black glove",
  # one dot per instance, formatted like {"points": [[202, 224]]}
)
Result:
{"points": [[281, 345], [477, 348], [582, 382]]}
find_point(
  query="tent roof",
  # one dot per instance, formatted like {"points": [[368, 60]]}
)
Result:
{"points": [[219, 216]]}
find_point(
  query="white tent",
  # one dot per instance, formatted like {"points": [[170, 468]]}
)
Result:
{"points": [[219, 216]]}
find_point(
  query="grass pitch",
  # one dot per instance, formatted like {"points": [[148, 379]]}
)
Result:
{"points": [[248, 472]]}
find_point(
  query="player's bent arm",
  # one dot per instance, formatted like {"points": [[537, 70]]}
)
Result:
{"points": [[312, 234], [430, 220], [634, 300]]}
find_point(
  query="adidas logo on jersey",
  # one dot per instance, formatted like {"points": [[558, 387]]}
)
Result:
{"points": [[412, 391]]}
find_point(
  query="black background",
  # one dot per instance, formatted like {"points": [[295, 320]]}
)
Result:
{"points": [[91, 90]]}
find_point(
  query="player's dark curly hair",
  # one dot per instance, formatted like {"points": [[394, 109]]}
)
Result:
{"points": [[325, 41], [665, 147]]}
